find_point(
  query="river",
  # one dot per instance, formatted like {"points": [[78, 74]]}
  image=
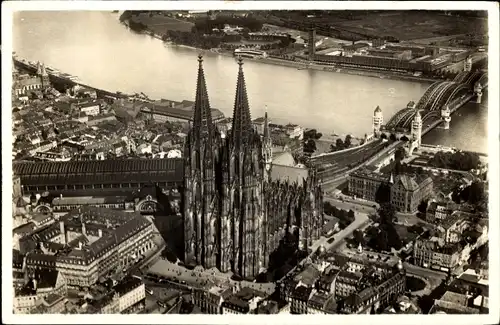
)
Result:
{"points": [[102, 52]]}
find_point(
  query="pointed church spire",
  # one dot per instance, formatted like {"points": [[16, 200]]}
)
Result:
{"points": [[202, 115], [242, 122], [266, 126]]}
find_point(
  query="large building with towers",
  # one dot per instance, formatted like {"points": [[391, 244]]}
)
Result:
{"points": [[235, 214]]}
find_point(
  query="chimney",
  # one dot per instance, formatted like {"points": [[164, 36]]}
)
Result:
{"points": [[34, 284], [80, 245], [63, 232], [60, 196], [84, 229], [100, 233]]}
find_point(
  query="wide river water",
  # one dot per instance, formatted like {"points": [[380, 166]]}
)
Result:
{"points": [[103, 53]]}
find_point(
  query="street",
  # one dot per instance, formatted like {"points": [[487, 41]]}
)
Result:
{"points": [[199, 277], [361, 220], [349, 204], [424, 272]]}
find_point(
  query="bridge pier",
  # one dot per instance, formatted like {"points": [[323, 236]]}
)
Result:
{"points": [[478, 91], [478, 97], [446, 115], [446, 123]]}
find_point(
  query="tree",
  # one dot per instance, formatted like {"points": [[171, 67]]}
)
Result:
{"points": [[359, 237], [347, 141], [310, 134], [309, 146], [387, 213], [351, 215], [476, 193], [422, 207], [339, 144], [393, 239], [382, 241]]}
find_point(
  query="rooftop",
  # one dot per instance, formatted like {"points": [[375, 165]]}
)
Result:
{"points": [[289, 173], [100, 171], [455, 298], [243, 297], [127, 285]]}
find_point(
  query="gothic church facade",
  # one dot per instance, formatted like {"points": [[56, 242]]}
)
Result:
{"points": [[234, 214]]}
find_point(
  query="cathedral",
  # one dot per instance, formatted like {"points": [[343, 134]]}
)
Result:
{"points": [[234, 213]]}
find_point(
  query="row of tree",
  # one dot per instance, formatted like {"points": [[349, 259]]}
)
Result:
{"points": [[459, 160], [341, 145], [309, 141], [385, 236], [192, 39], [474, 194]]}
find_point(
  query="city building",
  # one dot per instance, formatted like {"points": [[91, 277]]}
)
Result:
{"points": [[338, 283], [453, 227], [52, 304], [16, 187], [453, 303], [131, 291], [89, 243], [43, 284], [435, 254], [166, 110], [406, 191], [243, 301], [233, 216], [210, 299], [437, 211], [321, 303], [24, 85], [91, 108]]}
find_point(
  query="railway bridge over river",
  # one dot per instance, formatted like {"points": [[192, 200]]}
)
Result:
{"points": [[407, 126]]}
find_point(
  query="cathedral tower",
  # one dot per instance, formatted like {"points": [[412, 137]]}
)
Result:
{"points": [[245, 186], [200, 208]]}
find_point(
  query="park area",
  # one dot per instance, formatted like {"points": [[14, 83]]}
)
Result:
{"points": [[415, 24]]}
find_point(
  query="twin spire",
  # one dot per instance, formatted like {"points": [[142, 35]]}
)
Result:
{"points": [[242, 121], [202, 115]]}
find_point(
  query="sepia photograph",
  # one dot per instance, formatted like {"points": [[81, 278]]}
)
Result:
{"points": [[250, 157]]}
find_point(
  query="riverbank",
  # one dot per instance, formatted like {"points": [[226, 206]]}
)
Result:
{"points": [[305, 65]]}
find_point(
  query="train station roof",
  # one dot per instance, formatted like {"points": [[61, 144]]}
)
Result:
{"points": [[100, 171]]}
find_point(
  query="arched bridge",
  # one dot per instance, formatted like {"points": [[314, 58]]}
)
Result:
{"points": [[439, 95], [470, 78]]}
